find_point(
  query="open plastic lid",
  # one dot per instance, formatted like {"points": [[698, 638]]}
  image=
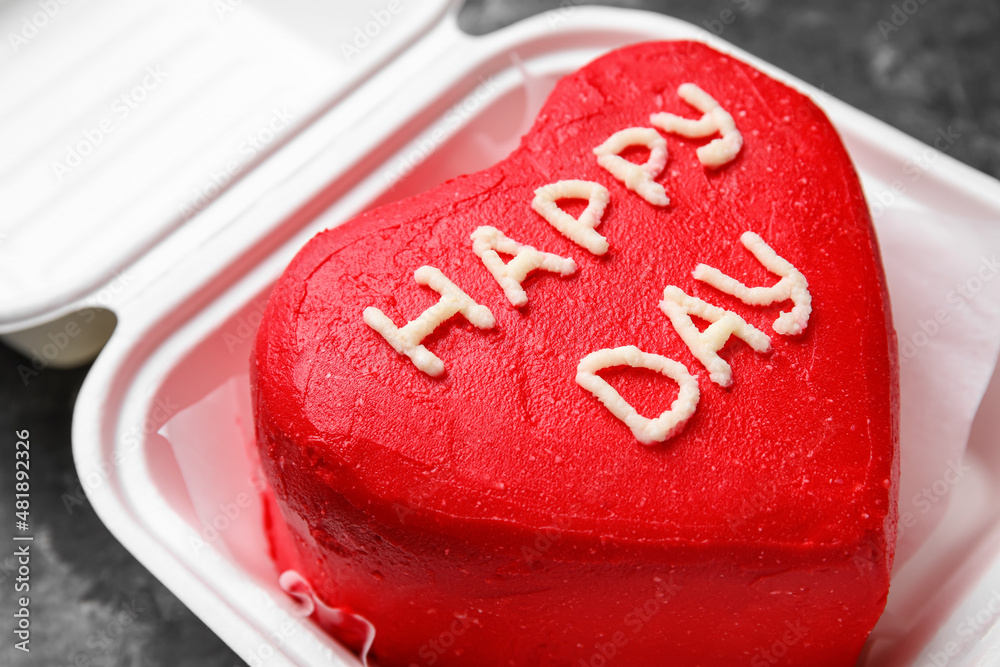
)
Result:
{"points": [[121, 121]]}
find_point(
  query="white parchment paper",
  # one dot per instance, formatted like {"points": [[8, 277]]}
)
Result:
{"points": [[944, 283]]}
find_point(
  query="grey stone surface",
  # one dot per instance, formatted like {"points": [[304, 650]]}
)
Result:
{"points": [[92, 603], [936, 70]]}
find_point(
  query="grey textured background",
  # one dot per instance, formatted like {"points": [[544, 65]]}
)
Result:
{"points": [[938, 70]]}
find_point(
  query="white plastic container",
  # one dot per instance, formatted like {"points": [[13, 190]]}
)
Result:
{"points": [[123, 121], [428, 103]]}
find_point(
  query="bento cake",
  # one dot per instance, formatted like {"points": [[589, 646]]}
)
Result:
{"points": [[628, 396]]}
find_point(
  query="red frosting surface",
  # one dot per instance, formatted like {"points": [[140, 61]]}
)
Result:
{"points": [[500, 514]]}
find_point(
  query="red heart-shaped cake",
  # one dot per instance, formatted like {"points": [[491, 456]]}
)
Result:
{"points": [[629, 395]]}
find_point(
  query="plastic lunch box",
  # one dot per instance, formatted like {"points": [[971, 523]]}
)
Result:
{"points": [[260, 124]]}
